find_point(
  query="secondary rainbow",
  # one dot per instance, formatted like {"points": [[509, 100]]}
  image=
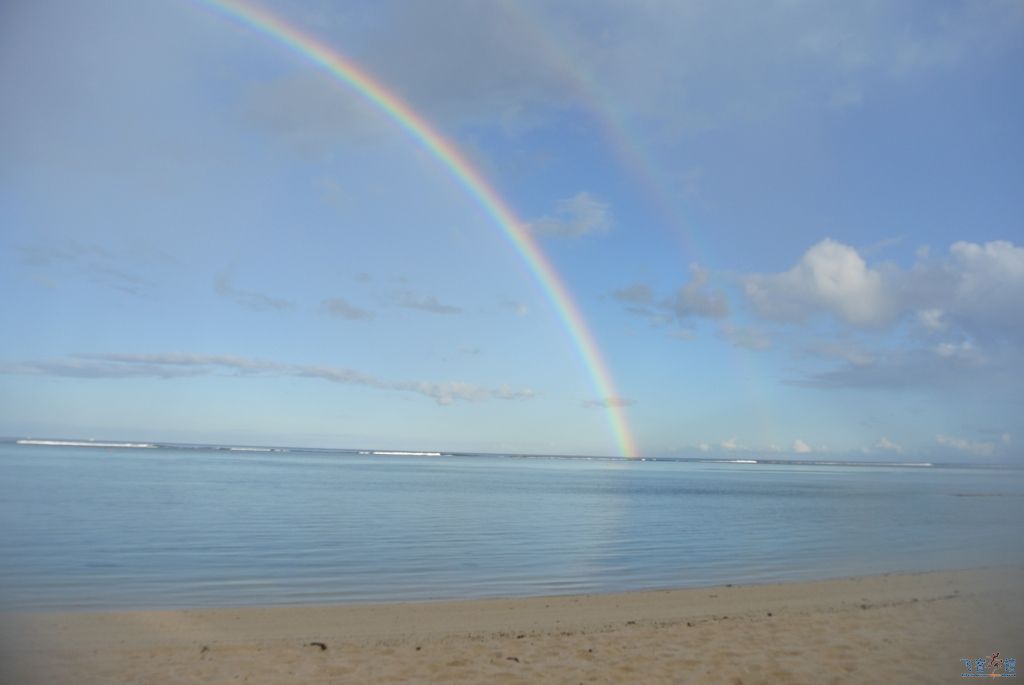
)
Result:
{"points": [[348, 73]]}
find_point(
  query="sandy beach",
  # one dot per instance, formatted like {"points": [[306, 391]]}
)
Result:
{"points": [[899, 628]]}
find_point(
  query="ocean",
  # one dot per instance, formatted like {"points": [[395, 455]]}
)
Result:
{"points": [[103, 528]]}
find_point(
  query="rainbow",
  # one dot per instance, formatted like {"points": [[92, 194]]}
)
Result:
{"points": [[348, 73]]}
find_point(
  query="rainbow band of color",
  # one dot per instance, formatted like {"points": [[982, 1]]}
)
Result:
{"points": [[423, 133]]}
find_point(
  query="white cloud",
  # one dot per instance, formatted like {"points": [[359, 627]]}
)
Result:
{"points": [[576, 216], [885, 444], [451, 392], [963, 312], [974, 448], [730, 445], [976, 290], [801, 447], [987, 288], [829, 277], [703, 446]]}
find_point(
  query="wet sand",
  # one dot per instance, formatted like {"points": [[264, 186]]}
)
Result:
{"points": [[900, 628]]}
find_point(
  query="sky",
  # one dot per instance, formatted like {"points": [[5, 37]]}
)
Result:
{"points": [[791, 229]]}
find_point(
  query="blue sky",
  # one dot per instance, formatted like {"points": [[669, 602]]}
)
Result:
{"points": [[794, 228]]}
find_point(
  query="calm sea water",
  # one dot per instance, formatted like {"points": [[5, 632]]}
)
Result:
{"points": [[90, 528]]}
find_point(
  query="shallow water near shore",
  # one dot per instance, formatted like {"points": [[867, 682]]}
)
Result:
{"points": [[117, 528]]}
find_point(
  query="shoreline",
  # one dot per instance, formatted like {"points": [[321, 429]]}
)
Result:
{"points": [[852, 629], [383, 603]]}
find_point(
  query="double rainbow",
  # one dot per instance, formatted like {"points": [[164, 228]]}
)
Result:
{"points": [[347, 73]]}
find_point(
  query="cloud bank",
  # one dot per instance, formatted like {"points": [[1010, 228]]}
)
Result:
{"points": [[183, 364]]}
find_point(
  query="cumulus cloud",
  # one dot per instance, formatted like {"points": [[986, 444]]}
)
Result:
{"points": [[801, 447], [607, 403], [182, 364], [249, 299], [576, 216], [829, 277], [976, 290], [342, 309], [730, 445], [983, 286]]}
